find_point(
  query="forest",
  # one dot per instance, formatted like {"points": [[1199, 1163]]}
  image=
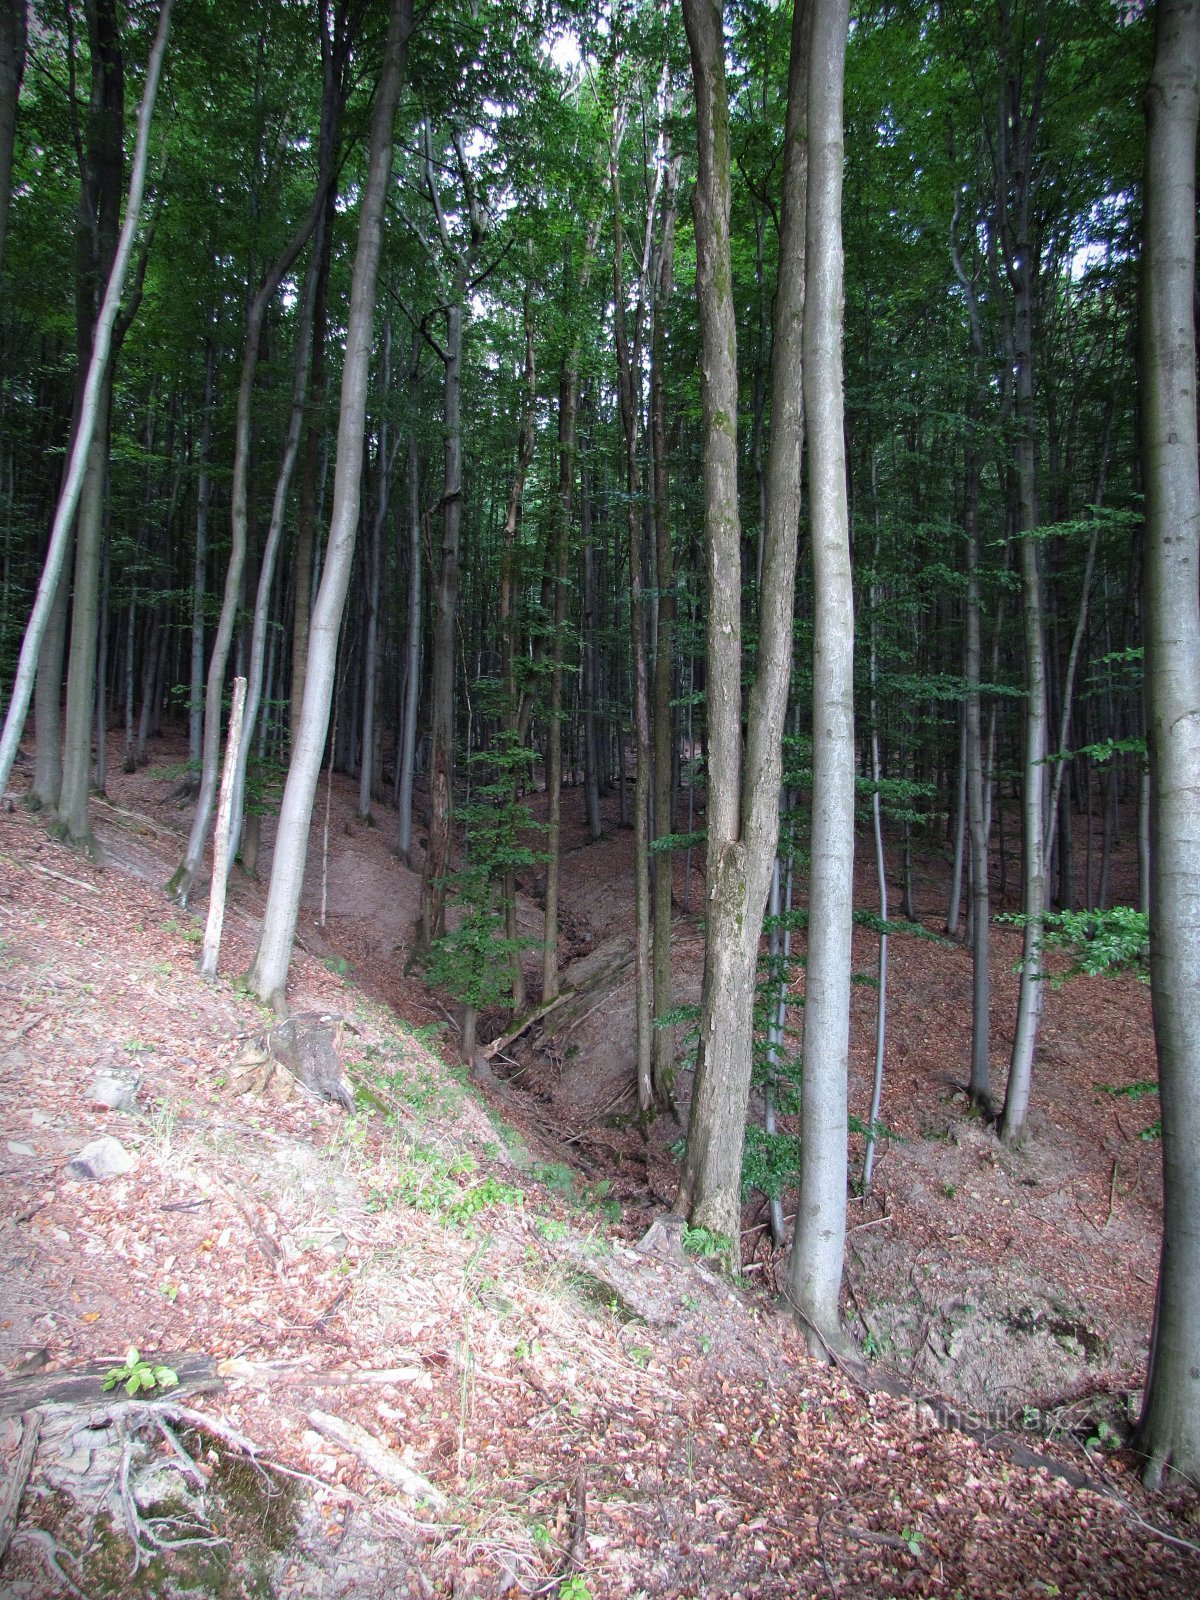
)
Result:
{"points": [[699, 503]]}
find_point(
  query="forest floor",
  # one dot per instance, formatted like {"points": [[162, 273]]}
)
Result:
{"points": [[431, 1310]]}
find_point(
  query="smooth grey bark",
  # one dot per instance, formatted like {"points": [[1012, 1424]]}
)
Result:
{"points": [[14, 33], [526, 440], [462, 256], [222, 851], [200, 560], [880, 877], [743, 795], [268, 973], [591, 665], [383, 481], [47, 694], [412, 638], [71, 818], [1016, 134], [629, 370], [436, 866], [180, 884], [978, 820], [89, 410], [266, 569], [815, 1263], [664, 650], [96, 229], [1169, 1429]]}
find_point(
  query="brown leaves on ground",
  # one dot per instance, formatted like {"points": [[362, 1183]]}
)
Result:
{"points": [[405, 1269]]}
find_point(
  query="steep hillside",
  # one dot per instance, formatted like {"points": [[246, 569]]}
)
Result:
{"points": [[419, 1353]]}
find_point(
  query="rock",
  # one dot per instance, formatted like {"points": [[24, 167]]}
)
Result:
{"points": [[115, 1091], [18, 1147], [102, 1158]]}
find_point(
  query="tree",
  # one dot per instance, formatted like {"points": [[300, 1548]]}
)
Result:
{"points": [[743, 790], [1170, 1421], [268, 973], [815, 1264], [13, 38], [89, 412]]}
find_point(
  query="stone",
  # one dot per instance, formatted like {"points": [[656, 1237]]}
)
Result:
{"points": [[102, 1158], [115, 1091]]}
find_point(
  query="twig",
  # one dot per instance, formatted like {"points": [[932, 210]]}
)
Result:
{"points": [[579, 1529], [1112, 1193], [14, 1488]]}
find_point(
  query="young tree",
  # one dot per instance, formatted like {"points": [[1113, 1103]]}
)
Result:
{"points": [[268, 973], [1170, 1422]]}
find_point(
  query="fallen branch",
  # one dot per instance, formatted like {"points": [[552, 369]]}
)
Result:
{"points": [[384, 1463], [83, 1386]]}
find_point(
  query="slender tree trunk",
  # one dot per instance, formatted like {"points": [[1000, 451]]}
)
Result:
{"points": [[1019, 128], [629, 366], [591, 665], [268, 974], [1170, 1422], [743, 802], [13, 39], [200, 562], [412, 639], [815, 1264], [374, 590], [266, 570], [89, 409], [664, 655], [72, 820], [179, 885], [445, 612]]}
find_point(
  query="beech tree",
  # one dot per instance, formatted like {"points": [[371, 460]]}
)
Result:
{"points": [[815, 1264], [743, 786], [268, 973], [1170, 1421]]}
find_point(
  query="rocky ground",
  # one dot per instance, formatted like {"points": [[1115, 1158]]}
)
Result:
{"points": [[419, 1351]]}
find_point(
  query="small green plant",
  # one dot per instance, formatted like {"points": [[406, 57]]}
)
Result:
{"points": [[706, 1345], [338, 965], [139, 1374], [169, 1291], [914, 1539], [1105, 1437], [574, 1588], [704, 1242], [551, 1229]]}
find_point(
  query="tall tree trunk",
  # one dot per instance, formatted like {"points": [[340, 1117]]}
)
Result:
{"points": [[412, 637], [268, 973], [179, 885], [815, 1264], [743, 802], [445, 612], [664, 651], [89, 409], [629, 377], [266, 571], [1170, 1423], [13, 39], [375, 587], [97, 226], [200, 561], [1017, 131]]}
